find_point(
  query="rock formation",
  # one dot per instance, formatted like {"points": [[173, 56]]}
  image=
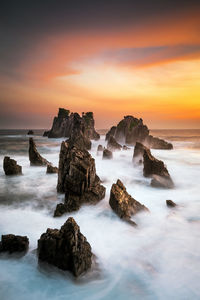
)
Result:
{"points": [[35, 158], [11, 167], [14, 243], [122, 203], [77, 178], [112, 144], [107, 154], [111, 132], [156, 143], [138, 153], [30, 132], [155, 168], [51, 169], [66, 248], [170, 203]]}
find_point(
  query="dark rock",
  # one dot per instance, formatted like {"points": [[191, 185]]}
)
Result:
{"points": [[30, 132], [157, 143], [170, 203], [112, 144], [107, 154], [35, 158], [14, 243], [66, 248], [51, 169], [155, 168], [11, 167], [99, 148], [125, 147], [138, 153], [111, 132], [122, 203], [88, 120], [77, 178], [46, 133]]}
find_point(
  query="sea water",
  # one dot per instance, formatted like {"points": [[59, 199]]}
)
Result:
{"points": [[160, 259]]}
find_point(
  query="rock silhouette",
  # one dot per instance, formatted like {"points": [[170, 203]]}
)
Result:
{"points": [[14, 243], [11, 167], [35, 158]]}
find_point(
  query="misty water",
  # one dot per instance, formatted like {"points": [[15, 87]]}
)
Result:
{"points": [[160, 259]]}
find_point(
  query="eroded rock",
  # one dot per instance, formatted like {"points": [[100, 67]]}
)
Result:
{"points": [[14, 243], [35, 158], [11, 167]]}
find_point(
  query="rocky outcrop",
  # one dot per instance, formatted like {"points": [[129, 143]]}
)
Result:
{"points": [[111, 132], [30, 132], [138, 153], [46, 133], [14, 243], [77, 178], [11, 167], [99, 148], [122, 203], [107, 154], [157, 170], [51, 169], [34, 156], [67, 248], [157, 143], [112, 144], [170, 203]]}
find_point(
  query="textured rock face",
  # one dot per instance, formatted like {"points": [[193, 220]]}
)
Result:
{"points": [[122, 203], [51, 169], [156, 143], [14, 243], [35, 158], [111, 132], [138, 153], [66, 248], [30, 132], [11, 167], [107, 154], [112, 144], [77, 179], [170, 203], [155, 168]]}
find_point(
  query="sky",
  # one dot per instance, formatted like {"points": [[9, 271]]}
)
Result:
{"points": [[114, 57]]}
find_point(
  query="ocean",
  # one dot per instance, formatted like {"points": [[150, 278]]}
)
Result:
{"points": [[160, 259]]}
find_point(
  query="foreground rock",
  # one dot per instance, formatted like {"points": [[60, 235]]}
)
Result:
{"points": [[170, 203], [77, 178], [122, 203], [11, 167], [107, 154], [30, 132], [35, 158], [157, 143], [112, 144], [14, 243], [51, 169], [155, 168], [138, 153], [66, 248]]}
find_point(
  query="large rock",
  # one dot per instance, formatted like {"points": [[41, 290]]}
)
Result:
{"points": [[66, 248], [112, 144], [155, 168], [11, 167], [122, 203], [34, 156], [51, 169], [138, 153], [111, 132], [14, 243], [157, 143], [77, 178], [107, 154]]}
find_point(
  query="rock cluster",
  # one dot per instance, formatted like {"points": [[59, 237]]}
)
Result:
{"points": [[107, 154], [51, 169], [122, 203], [35, 158], [11, 167], [112, 144], [14, 243], [66, 248]]}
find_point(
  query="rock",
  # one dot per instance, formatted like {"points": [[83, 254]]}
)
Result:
{"points": [[112, 145], [138, 153], [66, 248], [88, 120], [125, 147], [122, 203], [35, 158], [110, 132], [30, 132], [51, 169], [157, 143], [170, 203], [46, 133], [107, 154], [155, 168], [77, 178], [99, 148], [14, 243], [11, 167]]}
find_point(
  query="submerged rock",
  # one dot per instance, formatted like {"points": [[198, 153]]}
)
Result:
{"points": [[35, 158], [14, 243], [157, 143], [107, 154], [51, 169], [66, 248], [122, 203], [170, 203], [11, 167], [138, 153], [155, 168], [112, 144], [30, 132]]}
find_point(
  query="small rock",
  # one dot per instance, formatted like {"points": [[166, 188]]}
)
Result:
{"points": [[170, 203], [30, 132], [99, 148], [35, 158], [112, 144], [107, 154], [11, 167], [51, 169], [125, 147], [14, 243]]}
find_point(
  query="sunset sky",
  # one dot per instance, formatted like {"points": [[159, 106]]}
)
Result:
{"points": [[113, 57]]}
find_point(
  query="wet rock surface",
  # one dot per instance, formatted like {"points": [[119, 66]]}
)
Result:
{"points": [[66, 248], [51, 169], [107, 154], [35, 158], [112, 144], [11, 167], [14, 243]]}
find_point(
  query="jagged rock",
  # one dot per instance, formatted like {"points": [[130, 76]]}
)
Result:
{"points": [[88, 120], [11, 167], [138, 153], [51, 169], [35, 158], [112, 145], [66, 248], [125, 147], [170, 203], [107, 154], [122, 203], [77, 178], [155, 168], [30, 132], [99, 148], [111, 132], [157, 143], [14, 243]]}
